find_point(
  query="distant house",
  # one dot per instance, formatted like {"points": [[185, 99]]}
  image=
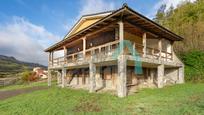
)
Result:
{"points": [[41, 73], [102, 51]]}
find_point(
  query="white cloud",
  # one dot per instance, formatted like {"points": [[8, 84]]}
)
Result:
{"points": [[168, 3], [94, 6], [25, 41]]}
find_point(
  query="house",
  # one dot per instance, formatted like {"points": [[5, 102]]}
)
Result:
{"points": [[41, 73], [117, 50]]}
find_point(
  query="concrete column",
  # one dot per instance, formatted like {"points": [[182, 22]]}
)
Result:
{"points": [[99, 81], [64, 74], [144, 41], [122, 76], [152, 75], [92, 73], [181, 75], [58, 77], [160, 76], [49, 79], [83, 77]]}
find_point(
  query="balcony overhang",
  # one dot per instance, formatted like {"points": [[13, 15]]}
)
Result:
{"points": [[127, 15]]}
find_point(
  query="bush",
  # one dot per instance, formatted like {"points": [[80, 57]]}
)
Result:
{"points": [[29, 76], [194, 66]]}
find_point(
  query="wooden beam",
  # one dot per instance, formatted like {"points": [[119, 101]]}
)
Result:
{"points": [[102, 29], [143, 29]]}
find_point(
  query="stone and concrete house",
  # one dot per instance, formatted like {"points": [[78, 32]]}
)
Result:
{"points": [[97, 56]]}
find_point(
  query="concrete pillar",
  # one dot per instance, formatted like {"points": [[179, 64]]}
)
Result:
{"points": [[92, 73], [181, 75], [59, 77], [83, 77], [160, 76], [122, 76], [49, 79], [99, 80], [64, 74], [152, 75]]}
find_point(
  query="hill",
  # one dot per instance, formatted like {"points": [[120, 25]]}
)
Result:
{"points": [[10, 66], [187, 20]]}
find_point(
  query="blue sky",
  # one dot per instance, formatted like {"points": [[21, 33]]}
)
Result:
{"points": [[27, 27]]}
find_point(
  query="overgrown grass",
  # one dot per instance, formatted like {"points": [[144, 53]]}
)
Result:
{"points": [[179, 99], [24, 85], [194, 66]]}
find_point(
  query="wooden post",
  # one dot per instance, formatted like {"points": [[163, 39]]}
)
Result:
{"points": [[134, 49], [65, 55], [52, 57], [172, 49], [49, 59], [160, 48], [116, 33], [121, 36], [84, 47], [144, 41]]}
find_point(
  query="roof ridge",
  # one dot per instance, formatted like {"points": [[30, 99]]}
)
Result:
{"points": [[91, 14]]}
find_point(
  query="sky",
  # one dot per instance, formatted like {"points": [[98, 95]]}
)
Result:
{"points": [[27, 27]]}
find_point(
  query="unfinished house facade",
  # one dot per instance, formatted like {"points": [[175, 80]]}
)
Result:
{"points": [[103, 52]]}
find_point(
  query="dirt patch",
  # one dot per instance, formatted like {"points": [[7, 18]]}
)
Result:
{"points": [[12, 93], [87, 106]]}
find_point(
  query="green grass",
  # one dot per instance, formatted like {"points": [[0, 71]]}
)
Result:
{"points": [[25, 85], [179, 99]]}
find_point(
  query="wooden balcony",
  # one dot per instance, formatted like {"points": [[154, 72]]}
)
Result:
{"points": [[105, 52]]}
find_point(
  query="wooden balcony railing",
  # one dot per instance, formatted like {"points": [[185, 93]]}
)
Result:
{"points": [[107, 50]]}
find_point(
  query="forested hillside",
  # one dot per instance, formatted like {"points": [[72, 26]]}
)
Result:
{"points": [[187, 20]]}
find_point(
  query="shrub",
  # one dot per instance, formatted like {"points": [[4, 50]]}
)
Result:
{"points": [[29, 76], [194, 66]]}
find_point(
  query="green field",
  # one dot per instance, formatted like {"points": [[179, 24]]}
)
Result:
{"points": [[179, 99]]}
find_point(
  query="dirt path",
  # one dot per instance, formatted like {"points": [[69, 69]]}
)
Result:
{"points": [[12, 93]]}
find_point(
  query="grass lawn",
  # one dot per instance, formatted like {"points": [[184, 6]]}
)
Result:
{"points": [[26, 85], [179, 99]]}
